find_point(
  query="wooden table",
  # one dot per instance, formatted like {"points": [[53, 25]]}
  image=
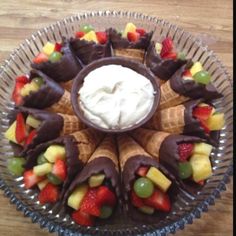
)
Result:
{"points": [[210, 19]]}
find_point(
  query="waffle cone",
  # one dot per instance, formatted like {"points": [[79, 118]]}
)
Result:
{"points": [[135, 54], [87, 141], [63, 105], [150, 140], [106, 148], [169, 97], [128, 148], [67, 85], [71, 124]]}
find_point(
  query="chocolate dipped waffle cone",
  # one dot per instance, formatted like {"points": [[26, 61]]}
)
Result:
{"points": [[130, 53], [67, 85]]}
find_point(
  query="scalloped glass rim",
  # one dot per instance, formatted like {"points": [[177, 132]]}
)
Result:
{"points": [[194, 48]]}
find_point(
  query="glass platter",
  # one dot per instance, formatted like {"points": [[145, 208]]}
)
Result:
{"points": [[187, 207]]}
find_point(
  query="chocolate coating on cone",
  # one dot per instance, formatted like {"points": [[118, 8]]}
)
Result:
{"points": [[63, 70], [163, 68]]}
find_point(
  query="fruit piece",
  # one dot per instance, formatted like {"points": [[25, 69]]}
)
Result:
{"points": [[41, 170], [41, 159], [106, 212], [216, 122], [55, 152], [55, 57], [159, 201], [79, 34], [141, 31], [201, 182], [101, 37], [89, 203], [48, 48], [181, 56], [38, 80], [53, 179], [185, 170], [143, 187], [33, 122], [22, 79], [202, 77], [15, 166], [136, 201], [57, 47], [201, 167], [158, 48], [158, 179], [167, 46], [105, 196], [43, 184], [10, 134], [185, 150], [60, 169], [187, 75], [21, 132], [28, 88], [202, 148], [204, 126], [16, 96], [203, 112], [40, 58], [90, 36], [49, 194], [130, 27], [31, 179], [170, 55], [86, 28], [147, 210], [142, 171], [75, 199], [196, 67], [133, 36], [82, 218], [96, 180], [30, 137]]}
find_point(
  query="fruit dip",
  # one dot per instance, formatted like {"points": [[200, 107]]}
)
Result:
{"points": [[116, 97]]}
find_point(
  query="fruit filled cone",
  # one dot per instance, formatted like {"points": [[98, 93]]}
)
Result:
{"points": [[132, 157], [178, 90]]}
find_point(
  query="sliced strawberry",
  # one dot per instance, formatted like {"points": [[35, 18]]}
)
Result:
{"points": [[30, 179], [49, 194], [82, 218], [101, 37], [60, 169], [202, 113], [167, 46], [136, 201], [105, 196], [89, 203], [21, 131], [142, 171], [204, 126], [30, 137], [170, 55], [133, 36], [79, 34], [22, 79], [16, 96], [141, 31], [58, 47], [187, 73], [41, 57], [159, 201], [185, 151], [201, 182]]}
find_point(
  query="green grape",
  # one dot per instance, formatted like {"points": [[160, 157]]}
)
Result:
{"points": [[38, 80], [86, 28], [55, 57], [15, 166], [181, 56], [202, 77], [143, 187], [41, 159], [106, 212], [53, 179], [185, 170]]}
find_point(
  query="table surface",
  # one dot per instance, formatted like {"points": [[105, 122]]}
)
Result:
{"points": [[211, 20]]}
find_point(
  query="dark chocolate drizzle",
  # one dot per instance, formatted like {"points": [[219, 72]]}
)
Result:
{"points": [[163, 68], [117, 41], [65, 69]]}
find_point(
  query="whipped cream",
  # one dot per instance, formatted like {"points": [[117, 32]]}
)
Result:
{"points": [[116, 97]]}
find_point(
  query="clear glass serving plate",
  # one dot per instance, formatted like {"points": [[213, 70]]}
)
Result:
{"points": [[187, 207]]}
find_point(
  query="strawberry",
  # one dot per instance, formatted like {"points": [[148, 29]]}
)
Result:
{"points": [[204, 126], [187, 73], [30, 179], [202, 113], [170, 55], [22, 79], [142, 171], [79, 34], [185, 150], [59, 169], [201, 182], [105, 196], [58, 47], [133, 36], [82, 218], [21, 131], [136, 201], [16, 96], [41, 57], [101, 37], [89, 204], [141, 31], [158, 200], [30, 137], [49, 194], [167, 46]]}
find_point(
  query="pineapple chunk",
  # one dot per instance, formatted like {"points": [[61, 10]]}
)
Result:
{"points": [[55, 152], [10, 134], [202, 148], [158, 47], [48, 48], [31, 121], [28, 88], [42, 184], [216, 122], [201, 167], [197, 66], [96, 180], [90, 36], [130, 27], [158, 179], [77, 196], [41, 170]]}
